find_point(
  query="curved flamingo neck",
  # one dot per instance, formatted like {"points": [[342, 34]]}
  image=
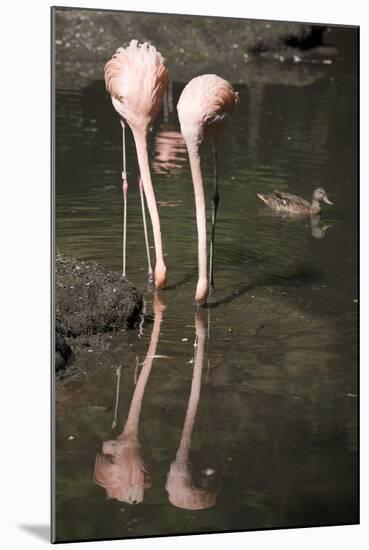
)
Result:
{"points": [[198, 186], [140, 136]]}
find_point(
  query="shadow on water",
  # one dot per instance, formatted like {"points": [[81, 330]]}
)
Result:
{"points": [[255, 426]]}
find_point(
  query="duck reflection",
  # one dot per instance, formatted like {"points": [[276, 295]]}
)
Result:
{"points": [[170, 151], [187, 488], [317, 230], [121, 468]]}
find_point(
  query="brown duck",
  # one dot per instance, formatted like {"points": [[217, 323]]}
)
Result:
{"points": [[292, 204]]}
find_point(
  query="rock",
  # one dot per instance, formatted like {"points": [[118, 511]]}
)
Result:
{"points": [[91, 300], [62, 350], [90, 304]]}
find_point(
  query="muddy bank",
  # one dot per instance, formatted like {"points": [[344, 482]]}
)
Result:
{"points": [[89, 303], [63, 352], [86, 39]]}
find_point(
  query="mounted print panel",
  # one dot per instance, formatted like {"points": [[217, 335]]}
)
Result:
{"points": [[205, 195]]}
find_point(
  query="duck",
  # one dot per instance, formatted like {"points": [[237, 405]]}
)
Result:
{"points": [[292, 204]]}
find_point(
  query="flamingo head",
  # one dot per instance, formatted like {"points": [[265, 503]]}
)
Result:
{"points": [[202, 290], [160, 276]]}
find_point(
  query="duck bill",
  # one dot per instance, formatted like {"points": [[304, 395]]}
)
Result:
{"points": [[328, 201]]}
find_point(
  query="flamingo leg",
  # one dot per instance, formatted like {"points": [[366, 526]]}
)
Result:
{"points": [[165, 106], [135, 376], [117, 391], [214, 210], [170, 97], [125, 196], [149, 269]]}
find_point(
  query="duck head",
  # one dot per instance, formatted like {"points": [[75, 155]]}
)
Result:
{"points": [[320, 195]]}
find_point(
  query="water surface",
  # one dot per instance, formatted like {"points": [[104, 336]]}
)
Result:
{"points": [[269, 439]]}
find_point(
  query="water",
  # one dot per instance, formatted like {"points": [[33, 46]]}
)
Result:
{"points": [[269, 439]]}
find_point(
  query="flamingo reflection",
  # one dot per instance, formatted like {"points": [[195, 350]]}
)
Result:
{"points": [[181, 487], [120, 468], [170, 151]]}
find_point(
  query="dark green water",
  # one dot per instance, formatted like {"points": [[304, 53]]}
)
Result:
{"points": [[273, 435]]}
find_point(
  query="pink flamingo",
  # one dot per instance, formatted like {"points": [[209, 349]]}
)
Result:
{"points": [[136, 79], [202, 109]]}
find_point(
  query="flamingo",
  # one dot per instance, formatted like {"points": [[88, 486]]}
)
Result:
{"points": [[136, 78], [204, 105]]}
